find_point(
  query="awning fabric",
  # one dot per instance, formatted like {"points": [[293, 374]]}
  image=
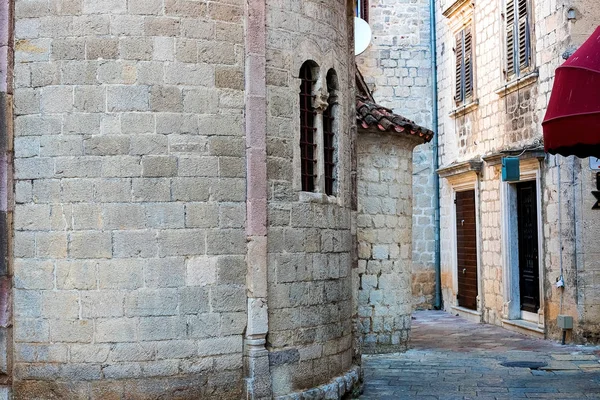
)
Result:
{"points": [[572, 122]]}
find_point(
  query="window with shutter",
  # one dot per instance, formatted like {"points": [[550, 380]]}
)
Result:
{"points": [[468, 64], [518, 37], [458, 96], [464, 66], [510, 37]]}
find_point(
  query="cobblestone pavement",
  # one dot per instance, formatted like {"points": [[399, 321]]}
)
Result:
{"points": [[451, 358]]}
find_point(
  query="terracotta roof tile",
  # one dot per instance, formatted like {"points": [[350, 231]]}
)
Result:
{"points": [[371, 115]]}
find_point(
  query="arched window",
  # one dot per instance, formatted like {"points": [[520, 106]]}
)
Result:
{"points": [[329, 134], [308, 144]]}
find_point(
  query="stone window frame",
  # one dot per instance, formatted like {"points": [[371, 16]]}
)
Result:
{"points": [[517, 35], [325, 97], [460, 15]]}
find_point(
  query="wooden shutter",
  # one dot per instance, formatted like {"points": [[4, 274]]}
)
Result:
{"points": [[510, 38], [468, 63], [523, 35], [459, 93]]}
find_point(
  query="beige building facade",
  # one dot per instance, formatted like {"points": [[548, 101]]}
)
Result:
{"points": [[506, 243]]}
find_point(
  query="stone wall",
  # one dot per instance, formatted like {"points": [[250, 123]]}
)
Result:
{"points": [[129, 238], [6, 194], [508, 116], [384, 225], [310, 242], [397, 67]]}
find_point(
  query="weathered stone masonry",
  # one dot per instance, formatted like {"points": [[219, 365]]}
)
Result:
{"points": [[130, 199], [6, 193]]}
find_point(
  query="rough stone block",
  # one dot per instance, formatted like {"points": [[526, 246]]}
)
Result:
{"points": [[165, 215], [118, 330], [164, 272], [60, 304], [89, 353], [159, 166], [161, 328], [181, 242], [71, 331], [90, 244], [33, 274], [27, 303], [128, 98], [202, 215], [201, 271], [223, 345], [228, 298], [149, 144], [31, 330], [120, 274], [123, 216], [75, 274], [151, 302], [194, 300], [102, 304], [134, 244], [203, 325]]}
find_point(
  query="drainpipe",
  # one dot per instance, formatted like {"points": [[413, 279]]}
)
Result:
{"points": [[435, 162]]}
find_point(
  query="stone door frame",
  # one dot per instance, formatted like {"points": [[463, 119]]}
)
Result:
{"points": [[460, 183], [530, 171]]}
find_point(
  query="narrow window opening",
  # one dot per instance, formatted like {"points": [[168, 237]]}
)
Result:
{"points": [[329, 134], [307, 128]]}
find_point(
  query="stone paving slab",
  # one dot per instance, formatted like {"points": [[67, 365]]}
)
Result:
{"points": [[452, 358]]}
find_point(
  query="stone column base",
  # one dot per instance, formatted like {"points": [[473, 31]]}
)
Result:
{"points": [[336, 389]]}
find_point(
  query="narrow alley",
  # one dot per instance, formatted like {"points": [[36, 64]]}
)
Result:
{"points": [[452, 358]]}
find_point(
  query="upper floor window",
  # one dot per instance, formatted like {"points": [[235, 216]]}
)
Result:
{"points": [[361, 9], [518, 37], [464, 66], [319, 126], [307, 127]]}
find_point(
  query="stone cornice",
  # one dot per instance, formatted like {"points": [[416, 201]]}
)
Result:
{"points": [[496, 158], [455, 7], [460, 168]]}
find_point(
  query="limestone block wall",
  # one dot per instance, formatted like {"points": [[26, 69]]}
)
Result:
{"points": [[384, 225], [129, 241], [309, 236], [6, 206], [397, 67]]}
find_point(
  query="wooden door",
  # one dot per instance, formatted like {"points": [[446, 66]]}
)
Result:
{"points": [[528, 246], [466, 249]]}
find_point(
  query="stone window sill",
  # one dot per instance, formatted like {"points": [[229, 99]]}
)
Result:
{"points": [[517, 84], [464, 109], [312, 197]]}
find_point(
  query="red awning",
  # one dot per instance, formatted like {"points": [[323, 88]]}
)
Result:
{"points": [[572, 122]]}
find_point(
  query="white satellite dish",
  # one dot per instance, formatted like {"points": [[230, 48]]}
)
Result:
{"points": [[362, 35]]}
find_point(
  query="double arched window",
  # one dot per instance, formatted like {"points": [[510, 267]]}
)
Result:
{"points": [[318, 130]]}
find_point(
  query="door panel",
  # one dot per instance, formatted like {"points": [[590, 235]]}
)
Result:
{"points": [[528, 246], [466, 249]]}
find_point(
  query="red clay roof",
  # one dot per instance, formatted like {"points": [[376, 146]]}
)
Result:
{"points": [[371, 115]]}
